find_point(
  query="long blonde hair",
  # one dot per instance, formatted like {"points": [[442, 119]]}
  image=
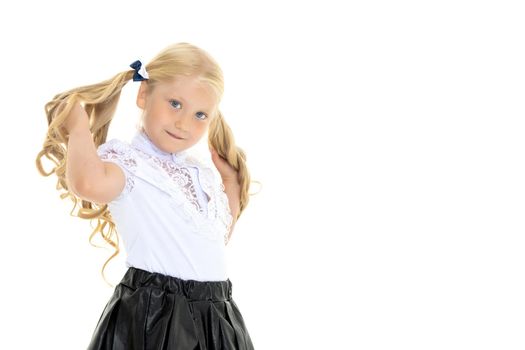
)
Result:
{"points": [[100, 101]]}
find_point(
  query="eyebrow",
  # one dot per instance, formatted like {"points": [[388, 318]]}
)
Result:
{"points": [[205, 110]]}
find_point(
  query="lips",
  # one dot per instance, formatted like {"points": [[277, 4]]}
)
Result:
{"points": [[174, 135]]}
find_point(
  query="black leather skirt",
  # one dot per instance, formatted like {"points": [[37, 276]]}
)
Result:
{"points": [[154, 311]]}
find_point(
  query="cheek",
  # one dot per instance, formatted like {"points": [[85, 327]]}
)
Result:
{"points": [[160, 114], [197, 130], [200, 126]]}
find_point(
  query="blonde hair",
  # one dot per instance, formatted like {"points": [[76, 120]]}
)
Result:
{"points": [[100, 101]]}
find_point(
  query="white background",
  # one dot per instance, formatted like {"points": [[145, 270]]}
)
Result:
{"points": [[388, 136]]}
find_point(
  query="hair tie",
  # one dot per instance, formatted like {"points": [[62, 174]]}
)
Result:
{"points": [[140, 71]]}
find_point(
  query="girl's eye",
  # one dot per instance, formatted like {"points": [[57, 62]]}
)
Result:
{"points": [[175, 103], [204, 115]]}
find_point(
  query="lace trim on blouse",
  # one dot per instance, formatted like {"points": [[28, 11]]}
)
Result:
{"points": [[114, 152], [174, 178]]}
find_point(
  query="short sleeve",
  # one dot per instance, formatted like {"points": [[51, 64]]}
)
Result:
{"points": [[120, 153]]}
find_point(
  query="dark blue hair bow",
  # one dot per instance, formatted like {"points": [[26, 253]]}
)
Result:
{"points": [[140, 71]]}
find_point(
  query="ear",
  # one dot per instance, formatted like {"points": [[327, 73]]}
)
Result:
{"points": [[142, 95]]}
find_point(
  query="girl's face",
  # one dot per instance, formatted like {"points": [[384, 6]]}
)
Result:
{"points": [[176, 114]]}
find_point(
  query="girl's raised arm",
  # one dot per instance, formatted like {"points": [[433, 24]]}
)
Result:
{"points": [[86, 174]]}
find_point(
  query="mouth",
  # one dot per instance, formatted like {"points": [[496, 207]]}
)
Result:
{"points": [[174, 136]]}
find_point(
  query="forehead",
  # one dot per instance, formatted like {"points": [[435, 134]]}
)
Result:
{"points": [[189, 89]]}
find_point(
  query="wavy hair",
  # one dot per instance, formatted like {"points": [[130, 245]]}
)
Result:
{"points": [[100, 101]]}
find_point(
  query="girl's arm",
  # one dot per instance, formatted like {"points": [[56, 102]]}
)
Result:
{"points": [[86, 174]]}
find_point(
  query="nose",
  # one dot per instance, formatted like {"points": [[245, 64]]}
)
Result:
{"points": [[182, 121]]}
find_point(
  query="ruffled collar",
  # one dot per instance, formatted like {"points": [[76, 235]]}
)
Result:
{"points": [[142, 141]]}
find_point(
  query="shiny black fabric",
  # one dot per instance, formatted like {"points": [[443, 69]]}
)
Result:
{"points": [[153, 311]]}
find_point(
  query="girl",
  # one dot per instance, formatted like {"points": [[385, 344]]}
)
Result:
{"points": [[173, 211]]}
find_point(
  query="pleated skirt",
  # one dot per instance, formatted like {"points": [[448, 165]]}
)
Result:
{"points": [[150, 310]]}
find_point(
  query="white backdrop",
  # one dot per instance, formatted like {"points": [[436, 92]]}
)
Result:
{"points": [[388, 137]]}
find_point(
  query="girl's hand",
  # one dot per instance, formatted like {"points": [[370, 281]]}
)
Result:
{"points": [[77, 118], [228, 173]]}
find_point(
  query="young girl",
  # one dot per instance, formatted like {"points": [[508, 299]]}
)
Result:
{"points": [[174, 212]]}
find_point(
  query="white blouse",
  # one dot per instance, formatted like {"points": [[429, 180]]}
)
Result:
{"points": [[173, 214]]}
